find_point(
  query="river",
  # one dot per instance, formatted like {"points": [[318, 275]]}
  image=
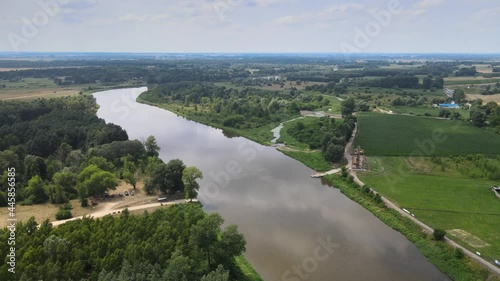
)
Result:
{"points": [[295, 227]]}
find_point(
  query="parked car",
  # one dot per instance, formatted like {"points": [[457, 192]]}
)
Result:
{"points": [[126, 193], [132, 193], [120, 194]]}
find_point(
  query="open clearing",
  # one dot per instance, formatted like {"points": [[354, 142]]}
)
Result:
{"points": [[48, 211], [443, 201], [468, 238], [34, 94], [399, 135], [485, 98]]}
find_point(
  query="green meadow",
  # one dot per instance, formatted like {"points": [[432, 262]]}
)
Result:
{"points": [[442, 199]]}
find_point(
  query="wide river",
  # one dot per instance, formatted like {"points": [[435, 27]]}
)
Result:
{"points": [[295, 227]]}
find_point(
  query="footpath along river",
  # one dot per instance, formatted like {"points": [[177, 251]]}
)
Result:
{"points": [[295, 227]]}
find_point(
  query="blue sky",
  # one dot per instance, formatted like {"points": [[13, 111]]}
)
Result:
{"points": [[409, 26]]}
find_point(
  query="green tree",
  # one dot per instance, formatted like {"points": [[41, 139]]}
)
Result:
{"points": [[152, 148], [439, 234], [205, 234], [458, 95], [478, 118], [35, 191], [95, 181], [340, 89], [232, 244], [334, 153], [445, 113], [191, 186], [348, 106], [101, 163], [130, 173], [66, 181], [179, 268]]}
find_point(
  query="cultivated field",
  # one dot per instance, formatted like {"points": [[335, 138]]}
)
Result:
{"points": [[34, 88], [485, 98], [466, 208], [399, 135]]}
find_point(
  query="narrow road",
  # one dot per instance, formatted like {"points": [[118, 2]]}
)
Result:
{"points": [[106, 212], [390, 204]]}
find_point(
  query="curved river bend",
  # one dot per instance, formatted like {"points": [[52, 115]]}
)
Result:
{"points": [[296, 228]]}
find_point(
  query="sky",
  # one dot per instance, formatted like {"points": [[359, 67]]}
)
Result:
{"points": [[250, 26]]}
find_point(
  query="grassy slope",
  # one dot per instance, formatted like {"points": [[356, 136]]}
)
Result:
{"points": [[441, 201], [246, 271], [392, 135]]}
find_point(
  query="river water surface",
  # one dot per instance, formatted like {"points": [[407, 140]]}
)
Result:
{"points": [[287, 217]]}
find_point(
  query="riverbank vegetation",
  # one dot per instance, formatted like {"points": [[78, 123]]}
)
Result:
{"points": [[245, 111]]}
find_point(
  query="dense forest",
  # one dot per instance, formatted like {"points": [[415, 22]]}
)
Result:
{"points": [[48, 141], [180, 243]]}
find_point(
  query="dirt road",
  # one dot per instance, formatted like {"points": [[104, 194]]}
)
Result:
{"points": [[109, 210]]}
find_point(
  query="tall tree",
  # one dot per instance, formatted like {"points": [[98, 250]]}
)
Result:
{"points": [[191, 186], [152, 148], [205, 234], [36, 190], [130, 172]]}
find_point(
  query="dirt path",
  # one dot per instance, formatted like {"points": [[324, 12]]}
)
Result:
{"points": [[390, 204], [108, 210]]}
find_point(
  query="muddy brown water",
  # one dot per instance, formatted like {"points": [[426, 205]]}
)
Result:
{"points": [[295, 227]]}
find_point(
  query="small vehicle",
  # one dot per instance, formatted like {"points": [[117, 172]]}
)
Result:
{"points": [[126, 193], [132, 193], [120, 194]]}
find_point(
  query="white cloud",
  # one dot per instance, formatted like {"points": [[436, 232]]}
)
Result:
{"points": [[338, 11], [289, 20], [425, 4], [421, 7], [265, 3], [142, 18]]}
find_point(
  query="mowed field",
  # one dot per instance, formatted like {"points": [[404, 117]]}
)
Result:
{"points": [[399, 135], [466, 208], [32, 88]]}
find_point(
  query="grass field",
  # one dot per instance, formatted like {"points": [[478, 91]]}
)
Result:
{"points": [[399, 135], [469, 80], [33, 88], [314, 160], [443, 200]]}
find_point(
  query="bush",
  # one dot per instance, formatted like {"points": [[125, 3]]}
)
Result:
{"points": [[66, 206], [458, 253], [439, 234], [63, 214]]}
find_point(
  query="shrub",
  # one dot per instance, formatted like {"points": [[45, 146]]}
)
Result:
{"points": [[458, 253], [439, 234], [63, 214], [66, 206]]}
